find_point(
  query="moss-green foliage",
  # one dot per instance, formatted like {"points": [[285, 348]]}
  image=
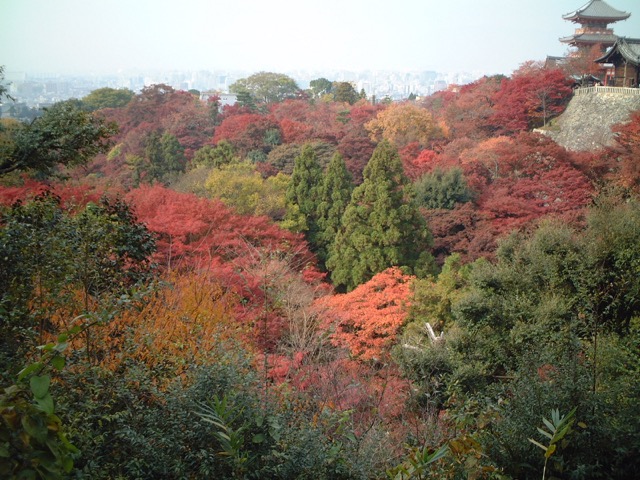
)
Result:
{"points": [[426, 362], [127, 427], [551, 324], [240, 186], [381, 226], [107, 98], [209, 156], [267, 87]]}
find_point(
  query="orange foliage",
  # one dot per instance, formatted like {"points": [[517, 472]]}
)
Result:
{"points": [[367, 319], [174, 329]]}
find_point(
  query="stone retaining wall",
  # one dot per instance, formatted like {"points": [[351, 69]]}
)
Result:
{"points": [[587, 121]]}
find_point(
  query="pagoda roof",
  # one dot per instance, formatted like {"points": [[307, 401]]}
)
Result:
{"points": [[627, 48], [597, 10], [606, 39]]}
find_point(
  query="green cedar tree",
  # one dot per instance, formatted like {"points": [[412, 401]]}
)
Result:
{"points": [[381, 226], [333, 197], [302, 193]]}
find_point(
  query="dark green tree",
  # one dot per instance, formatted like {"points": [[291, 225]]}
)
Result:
{"points": [[107, 98], [64, 135], [381, 226], [345, 92], [165, 155], [553, 324], [244, 97], [440, 189], [273, 137], [333, 197], [111, 249], [302, 194]]}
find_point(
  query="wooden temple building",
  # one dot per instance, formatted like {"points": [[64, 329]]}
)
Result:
{"points": [[594, 19], [623, 59]]}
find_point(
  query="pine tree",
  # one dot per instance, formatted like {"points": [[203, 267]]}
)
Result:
{"points": [[333, 197], [381, 226], [302, 194]]}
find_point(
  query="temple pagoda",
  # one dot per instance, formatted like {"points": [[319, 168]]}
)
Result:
{"points": [[594, 19]]}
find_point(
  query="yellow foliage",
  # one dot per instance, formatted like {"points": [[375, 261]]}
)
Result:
{"points": [[404, 123]]}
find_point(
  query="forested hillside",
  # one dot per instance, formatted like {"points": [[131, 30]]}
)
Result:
{"points": [[312, 284]]}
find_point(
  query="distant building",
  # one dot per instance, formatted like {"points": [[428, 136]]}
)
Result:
{"points": [[624, 55], [225, 99], [594, 19]]}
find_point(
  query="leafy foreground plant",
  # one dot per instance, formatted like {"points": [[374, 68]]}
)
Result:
{"points": [[32, 442], [418, 464], [221, 415], [557, 429]]}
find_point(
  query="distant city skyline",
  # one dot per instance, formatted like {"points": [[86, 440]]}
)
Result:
{"points": [[111, 36]]}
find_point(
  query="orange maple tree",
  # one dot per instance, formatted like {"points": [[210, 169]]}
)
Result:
{"points": [[173, 330], [367, 319]]}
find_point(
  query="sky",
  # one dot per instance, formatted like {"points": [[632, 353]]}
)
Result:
{"points": [[110, 36]]}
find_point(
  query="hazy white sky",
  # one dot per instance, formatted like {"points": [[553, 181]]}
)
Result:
{"points": [[91, 36]]}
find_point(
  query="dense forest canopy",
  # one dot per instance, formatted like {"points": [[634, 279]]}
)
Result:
{"points": [[310, 284]]}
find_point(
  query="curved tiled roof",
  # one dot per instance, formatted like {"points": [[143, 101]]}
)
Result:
{"points": [[628, 48], [597, 9], [590, 38]]}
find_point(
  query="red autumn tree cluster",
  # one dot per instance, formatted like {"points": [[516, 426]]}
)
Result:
{"points": [[626, 153], [531, 97], [250, 255], [503, 105], [515, 181], [156, 110], [248, 131]]}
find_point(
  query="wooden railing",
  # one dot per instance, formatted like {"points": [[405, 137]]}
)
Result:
{"points": [[601, 89]]}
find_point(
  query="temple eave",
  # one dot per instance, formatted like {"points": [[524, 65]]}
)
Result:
{"points": [[584, 18]]}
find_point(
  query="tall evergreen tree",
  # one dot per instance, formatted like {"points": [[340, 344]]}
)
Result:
{"points": [[302, 194], [333, 197], [381, 227], [166, 156]]}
